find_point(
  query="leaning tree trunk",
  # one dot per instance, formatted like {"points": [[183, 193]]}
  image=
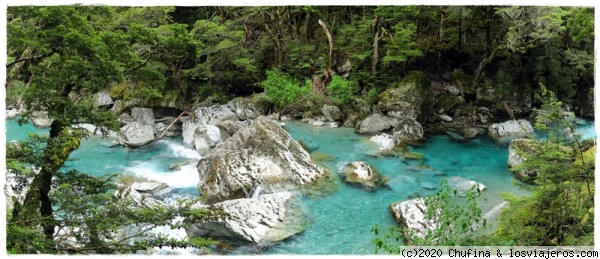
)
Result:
{"points": [[328, 72]]}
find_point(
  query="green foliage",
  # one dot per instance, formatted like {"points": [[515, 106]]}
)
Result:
{"points": [[458, 222], [341, 90], [282, 89], [561, 208]]}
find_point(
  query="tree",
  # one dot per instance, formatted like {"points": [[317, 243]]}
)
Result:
{"points": [[72, 59], [561, 208], [458, 222]]}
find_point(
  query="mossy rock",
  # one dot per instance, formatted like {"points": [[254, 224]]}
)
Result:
{"points": [[410, 155], [448, 102], [464, 81], [321, 157], [413, 92]]}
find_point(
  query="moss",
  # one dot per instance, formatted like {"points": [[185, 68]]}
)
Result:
{"points": [[448, 102], [409, 155], [464, 81], [321, 157]]}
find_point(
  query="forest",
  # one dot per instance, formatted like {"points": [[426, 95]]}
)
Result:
{"points": [[510, 59]]}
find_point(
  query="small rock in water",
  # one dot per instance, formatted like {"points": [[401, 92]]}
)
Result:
{"points": [[429, 185]]}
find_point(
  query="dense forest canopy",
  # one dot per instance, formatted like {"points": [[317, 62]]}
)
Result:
{"points": [[183, 55]]}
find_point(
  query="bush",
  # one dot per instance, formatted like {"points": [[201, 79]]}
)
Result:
{"points": [[341, 90], [282, 89]]}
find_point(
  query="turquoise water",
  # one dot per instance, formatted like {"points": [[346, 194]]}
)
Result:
{"points": [[340, 221]]}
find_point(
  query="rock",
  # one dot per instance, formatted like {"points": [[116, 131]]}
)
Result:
{"points": [[484, 115], [188, 128], [452, 89], [102, 99], [318, 123], [251, 107], [413, 98], [135, 134], [262, 220], [148, 187], [228, 128], [361, 173], [454, 135], [144, 116], [160, 126], [40, 119], [408, 131], [331, 113], [334, 124], [11, 113], [509, 130], [469, 132], [446, 118], [350, 121], [463, 185], [117, 107], [214, 114], [384, 140], [273, 116], [429, 185], [206, 137], [410, 215], [515, 158], [448, 103], [125, 118], [375, 123], [16, 188], [138, 199], [260, 154]]}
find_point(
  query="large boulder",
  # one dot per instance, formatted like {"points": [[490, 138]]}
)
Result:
{"points": [[265, 219], [40, 119], [228, 128], [260, 154], [144, 116], [509, 130], [410, 215], [206, 137], [363, 174], [463, 185], [251, 107], [102, 99], [375, 123], [412, 98], [135, 134], [517, 150], [212, 115], [331, 113], [137, 198], [408, 131]]}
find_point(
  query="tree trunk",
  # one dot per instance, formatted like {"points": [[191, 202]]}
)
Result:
{"points": [[329, 72], [375, 58], [14, 72], [482, 64], [170, 125]]}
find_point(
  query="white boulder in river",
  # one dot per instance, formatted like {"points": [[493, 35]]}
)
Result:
{"points": [[205, 116], [509, 130], [410, 215], [260, 154], [135, 134], [265, 219]]}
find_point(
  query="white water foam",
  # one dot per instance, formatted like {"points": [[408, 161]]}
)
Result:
{"points": [[178, 150], [185, 176]]}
